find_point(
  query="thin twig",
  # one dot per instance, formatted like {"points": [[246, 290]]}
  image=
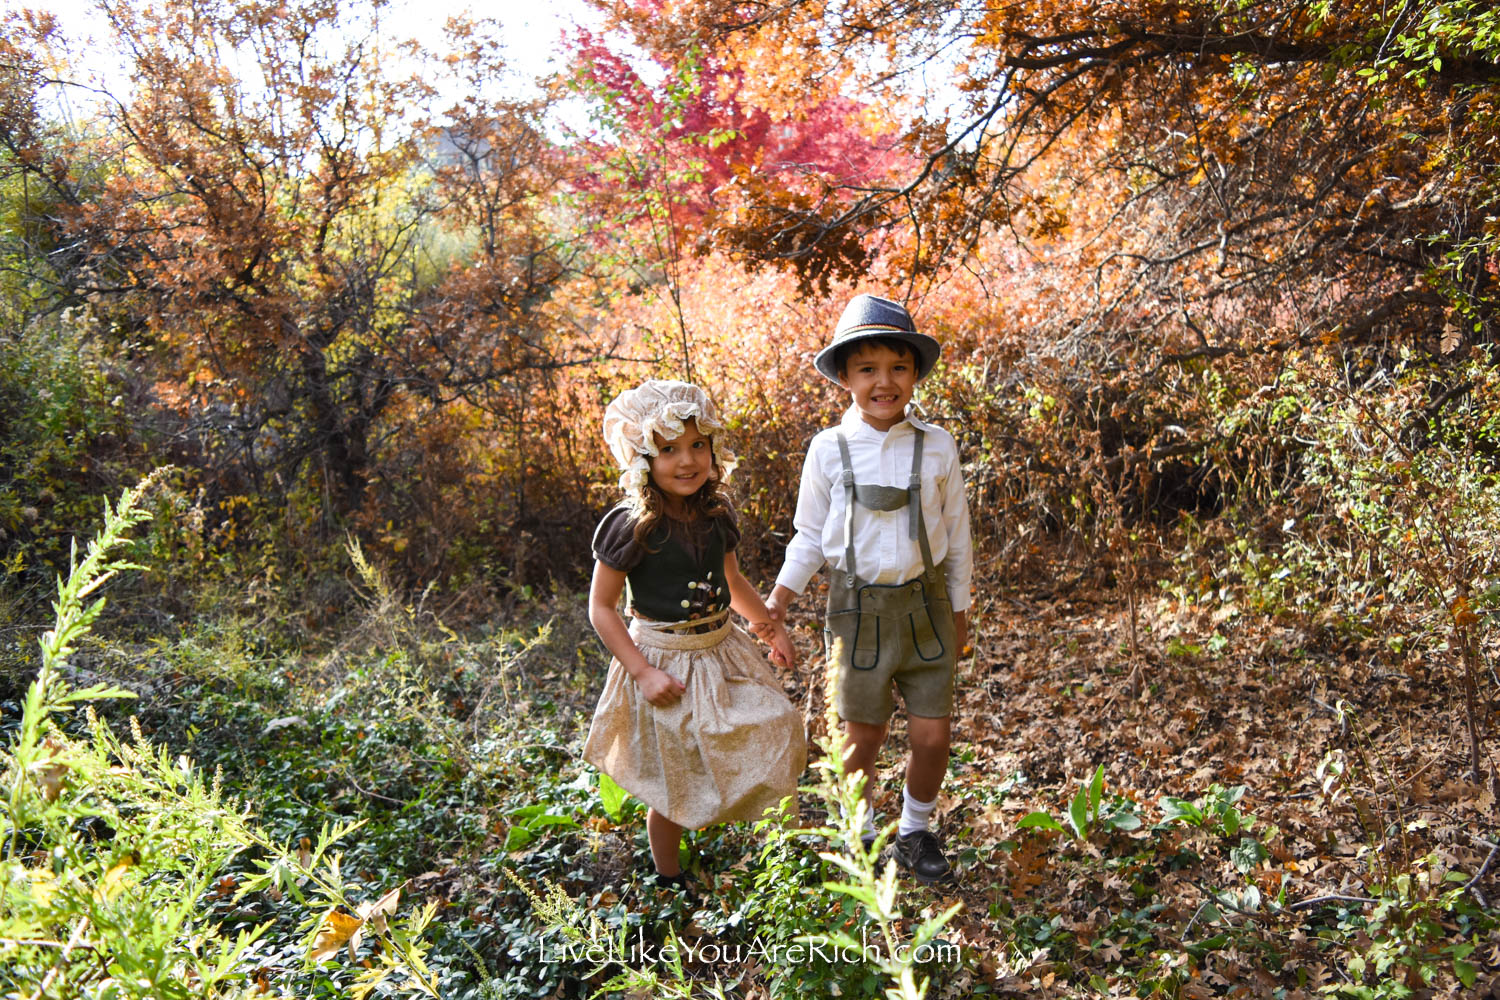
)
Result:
{"points": [[1303, 904], [1472, 884], [1214, 897], [374, 795], [1196, 913]]}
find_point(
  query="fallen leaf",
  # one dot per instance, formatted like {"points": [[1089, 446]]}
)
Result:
{"points": [[50, 776]]}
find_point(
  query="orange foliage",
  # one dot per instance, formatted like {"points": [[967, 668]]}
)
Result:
{"points": [[1118, 217], [339, 294]]}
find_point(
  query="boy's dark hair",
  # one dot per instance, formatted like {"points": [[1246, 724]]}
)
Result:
{"points": [[841, 352]]}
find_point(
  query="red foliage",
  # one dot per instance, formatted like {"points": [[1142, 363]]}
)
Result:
{"points": [[742, 176]]}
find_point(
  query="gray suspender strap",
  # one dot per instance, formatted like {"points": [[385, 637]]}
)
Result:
{"points": [[885, 498], [848, 509], [916, 522], [914, 500]]}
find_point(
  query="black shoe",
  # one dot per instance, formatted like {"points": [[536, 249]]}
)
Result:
{"points": [[922, 855]]}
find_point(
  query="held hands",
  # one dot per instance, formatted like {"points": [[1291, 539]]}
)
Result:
{"points": [[774, 633], [783, 653]]}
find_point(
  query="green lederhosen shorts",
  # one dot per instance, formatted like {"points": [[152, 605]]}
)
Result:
{"points": [[884, 634]]}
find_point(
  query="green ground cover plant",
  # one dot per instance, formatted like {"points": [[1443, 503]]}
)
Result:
{"points": [[403, 811]]}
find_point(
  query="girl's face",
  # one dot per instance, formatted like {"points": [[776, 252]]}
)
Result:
{"points": [[682, 464]]}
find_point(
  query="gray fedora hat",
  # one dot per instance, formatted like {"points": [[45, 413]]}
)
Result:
{"points": [[869, 316]]}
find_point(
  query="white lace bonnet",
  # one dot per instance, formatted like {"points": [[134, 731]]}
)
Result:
{"points": [[658, 406]]}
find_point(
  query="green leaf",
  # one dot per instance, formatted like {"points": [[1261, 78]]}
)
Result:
{"points": [[97, 692], [1096, 791], [1247, 855], [1209, 944], [863, 893], [551, 819], [1078, 812], [611, 797], [1040, 820], [528, 812], [1180, 810], [1465, 972], [1231, 822], [838, 939]]}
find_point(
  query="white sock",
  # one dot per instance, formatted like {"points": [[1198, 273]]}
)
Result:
{"points": [[867, 826], [914, 814]]}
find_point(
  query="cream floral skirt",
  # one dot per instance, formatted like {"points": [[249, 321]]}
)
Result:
{"points": [[730, 748]]}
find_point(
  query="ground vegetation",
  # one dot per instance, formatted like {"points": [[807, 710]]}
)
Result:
{"points": [[315, 354]]}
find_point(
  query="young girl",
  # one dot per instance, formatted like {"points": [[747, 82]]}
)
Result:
{"points": [[691, 721]]}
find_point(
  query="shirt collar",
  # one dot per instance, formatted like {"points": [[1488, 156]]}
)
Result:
{"points": [[851, 422]]}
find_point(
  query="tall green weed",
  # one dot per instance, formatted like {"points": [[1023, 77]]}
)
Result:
{"points": [[108, 844], [114, 851]]}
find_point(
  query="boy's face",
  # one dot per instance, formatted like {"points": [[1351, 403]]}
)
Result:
{"points": [[881, 382]]}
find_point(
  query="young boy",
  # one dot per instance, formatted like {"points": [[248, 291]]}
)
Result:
{"points": [[882, 504]]}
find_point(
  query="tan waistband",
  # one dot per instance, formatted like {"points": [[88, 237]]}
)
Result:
{"points": [[701, 633]]}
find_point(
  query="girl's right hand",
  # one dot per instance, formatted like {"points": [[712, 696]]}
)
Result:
{"points": [[659, 687]]}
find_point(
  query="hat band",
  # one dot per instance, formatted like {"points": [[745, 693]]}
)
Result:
{"points": [[867, 327]]}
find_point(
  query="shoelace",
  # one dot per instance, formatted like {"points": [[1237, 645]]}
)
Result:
{"points": [[923, 844]]}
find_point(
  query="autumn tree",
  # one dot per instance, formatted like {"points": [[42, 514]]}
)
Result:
{"points": [[1211, 184], [1245, 150], [689, 164], [318, 256]]}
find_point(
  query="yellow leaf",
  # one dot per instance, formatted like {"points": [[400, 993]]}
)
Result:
{"points": [[368, 980], [337, 929], [114, 879], [43, 886]]}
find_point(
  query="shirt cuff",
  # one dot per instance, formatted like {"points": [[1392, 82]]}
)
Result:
{"points": [[795, 576]]}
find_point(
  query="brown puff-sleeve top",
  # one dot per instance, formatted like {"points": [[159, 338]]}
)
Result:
{"points": [[679, 573]]}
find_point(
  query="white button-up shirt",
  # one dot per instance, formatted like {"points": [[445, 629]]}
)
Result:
{"points": [[884, 552]]}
